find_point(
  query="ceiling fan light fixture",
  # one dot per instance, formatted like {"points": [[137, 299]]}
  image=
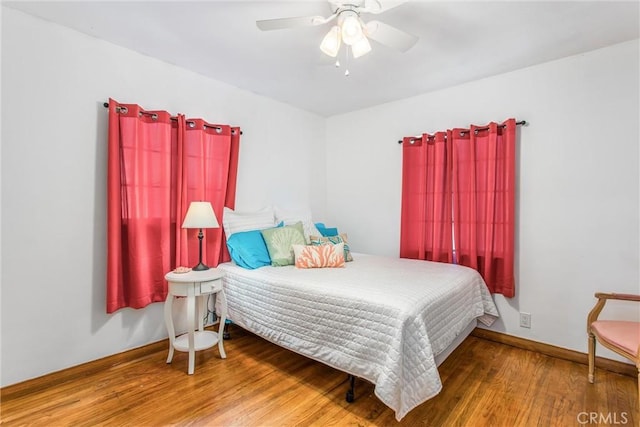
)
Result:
{"points": [[351, 28], [361, 47], [331, 42]]}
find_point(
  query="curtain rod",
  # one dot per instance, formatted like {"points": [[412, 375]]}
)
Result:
{"points": [[521, 122], [155, 116]]}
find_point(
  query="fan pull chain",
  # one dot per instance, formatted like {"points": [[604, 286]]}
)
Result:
{"points": [[346, 61]]}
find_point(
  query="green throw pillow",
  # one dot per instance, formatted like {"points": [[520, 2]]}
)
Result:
{"points": [[280, 243]]}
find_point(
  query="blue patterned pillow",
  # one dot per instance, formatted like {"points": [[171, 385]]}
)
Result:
{"points": [[334, 240]]}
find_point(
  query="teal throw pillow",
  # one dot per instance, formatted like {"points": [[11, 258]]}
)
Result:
{"points": [[248, 249], [326, 231]]}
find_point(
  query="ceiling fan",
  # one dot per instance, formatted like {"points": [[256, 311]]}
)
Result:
{"points": [[350, 29]]}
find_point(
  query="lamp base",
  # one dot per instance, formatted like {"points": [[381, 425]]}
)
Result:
{"points": [[200, 267]]}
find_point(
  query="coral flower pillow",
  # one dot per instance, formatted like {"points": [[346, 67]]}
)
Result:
{"points": [[319, 256]]}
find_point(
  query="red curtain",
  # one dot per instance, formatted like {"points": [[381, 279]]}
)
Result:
{"points": [[157, 165], [483, 188], [425, 231], [206, 152], [458, 200], [230, 199]]}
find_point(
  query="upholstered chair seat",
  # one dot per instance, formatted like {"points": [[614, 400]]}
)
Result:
{"points": [[620, 336]]}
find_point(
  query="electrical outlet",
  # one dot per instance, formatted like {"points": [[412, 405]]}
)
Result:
{"points": [[525, 320]]}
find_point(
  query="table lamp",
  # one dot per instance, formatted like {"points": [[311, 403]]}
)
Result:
{"points": [[200, 215]]}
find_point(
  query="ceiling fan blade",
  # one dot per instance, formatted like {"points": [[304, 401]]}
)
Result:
{"points": [[390, 36], [379, 6], [284, 23]]}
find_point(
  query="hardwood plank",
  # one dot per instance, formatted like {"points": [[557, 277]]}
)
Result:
{"points": [[485, 383], [559, 352]]}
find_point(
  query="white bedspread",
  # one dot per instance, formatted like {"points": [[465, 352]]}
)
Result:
{"points": [[379, 318]]}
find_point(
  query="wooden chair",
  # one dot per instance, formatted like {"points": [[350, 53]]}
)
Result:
{"points": [[622, 337]]}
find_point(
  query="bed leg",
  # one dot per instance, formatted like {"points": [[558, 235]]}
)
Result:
{"points": [[225, 333], [351, 393]]}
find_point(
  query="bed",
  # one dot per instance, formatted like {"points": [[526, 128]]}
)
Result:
{"points": [[390, 321]]}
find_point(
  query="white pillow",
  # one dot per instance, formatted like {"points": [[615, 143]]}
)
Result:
{"points": [[291, 216], [234, 222]]}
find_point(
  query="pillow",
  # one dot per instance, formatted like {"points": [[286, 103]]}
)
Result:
{"points": [[235, 222], [319, 256], [326, 231], [342, 238], [279, 241], [248, 249], [291, 216]]}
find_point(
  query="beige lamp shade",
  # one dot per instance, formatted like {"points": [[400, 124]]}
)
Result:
{"points": [[200, 215], [350, 28], [331, 43], [361, 47]]}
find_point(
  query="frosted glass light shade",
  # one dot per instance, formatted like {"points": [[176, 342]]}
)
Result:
{"points": [[331, 43], [351, 28], [361, 47], [200, 215]]}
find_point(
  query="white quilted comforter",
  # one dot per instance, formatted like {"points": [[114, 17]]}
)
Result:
{"points": [[379, 318]]}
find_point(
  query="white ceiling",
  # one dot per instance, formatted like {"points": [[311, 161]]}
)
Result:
{"points": [[459, 42]]}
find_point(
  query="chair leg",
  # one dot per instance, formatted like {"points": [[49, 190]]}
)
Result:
{"points": [[592, 356]]}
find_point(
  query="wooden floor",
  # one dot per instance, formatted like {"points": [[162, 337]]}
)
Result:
{"points": [[260, 384]]}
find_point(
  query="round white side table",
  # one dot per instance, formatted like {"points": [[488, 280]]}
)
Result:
{"points": [[196, 286]]}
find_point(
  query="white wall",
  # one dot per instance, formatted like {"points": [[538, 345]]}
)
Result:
{"points": [[578, 184], [54, 130], [580, 153]]}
